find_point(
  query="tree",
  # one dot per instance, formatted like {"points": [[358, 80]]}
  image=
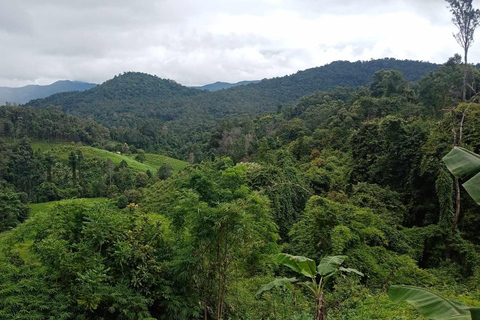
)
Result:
{"points": [[165, 171], [140, 157], [79, 164], [12, 210], [72, 160], [49, 163], [466, 19], [329, 266]]}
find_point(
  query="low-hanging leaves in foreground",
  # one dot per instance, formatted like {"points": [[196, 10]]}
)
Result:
{"points": [[465, 165], [432, 305]]}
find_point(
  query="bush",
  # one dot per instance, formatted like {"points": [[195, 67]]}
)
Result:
{"points": [[122, 201]]}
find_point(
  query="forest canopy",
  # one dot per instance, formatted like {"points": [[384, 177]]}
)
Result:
{"points": [[94, 225]]}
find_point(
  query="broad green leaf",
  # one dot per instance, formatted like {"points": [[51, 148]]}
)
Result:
{"points": [[351, 270], [462, 163], [300, 264], [430, 304], [473, 188], [276, 283], [329, 265], [465, 164]]}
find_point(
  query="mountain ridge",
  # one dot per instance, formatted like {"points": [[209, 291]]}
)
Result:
{"points": [[164, 112], [220, 85], [21, 95]]}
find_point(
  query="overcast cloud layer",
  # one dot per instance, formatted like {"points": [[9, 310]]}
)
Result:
{"points": [[198, 42]]}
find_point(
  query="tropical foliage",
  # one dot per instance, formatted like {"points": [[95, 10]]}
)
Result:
{"points": [[118, 230]]}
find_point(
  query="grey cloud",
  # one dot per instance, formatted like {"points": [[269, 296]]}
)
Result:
{"points": [[92, 40], [14, 19]]}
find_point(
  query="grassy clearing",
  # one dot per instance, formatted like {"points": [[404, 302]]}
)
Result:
{"points": [[61, 150], [47, 206], [46, 146], [157, 160]]}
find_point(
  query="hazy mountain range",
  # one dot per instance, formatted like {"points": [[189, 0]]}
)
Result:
{"points": [[224, 85], [24, 94], [147, 108]]}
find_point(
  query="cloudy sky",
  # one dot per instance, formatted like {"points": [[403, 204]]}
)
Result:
{"points": [[197, 42]]}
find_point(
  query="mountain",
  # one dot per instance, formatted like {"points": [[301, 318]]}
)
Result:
{"points": [[24, 94], [163, 112], [224, 85]]}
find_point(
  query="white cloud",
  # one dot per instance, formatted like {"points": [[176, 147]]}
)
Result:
{"points": [[197, 42]]}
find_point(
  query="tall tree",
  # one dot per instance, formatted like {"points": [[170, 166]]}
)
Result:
{"points": [[72, 160], [466, 19]]}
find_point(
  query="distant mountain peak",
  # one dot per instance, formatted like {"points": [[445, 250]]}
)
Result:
{"points": [[133, 99], [219, 85], [131, 84]]}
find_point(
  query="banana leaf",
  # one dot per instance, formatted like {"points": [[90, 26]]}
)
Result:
{"points": [[300, 264], [430, 304], [464, 164], [329, 265], [351, 270], [276, 283]]}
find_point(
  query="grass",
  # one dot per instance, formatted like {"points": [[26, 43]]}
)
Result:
{"points": [[157, 160], [45, 145], [61, 150], [47, 206]]}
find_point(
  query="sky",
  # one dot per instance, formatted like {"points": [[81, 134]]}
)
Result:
{"points": [[198, 42]]}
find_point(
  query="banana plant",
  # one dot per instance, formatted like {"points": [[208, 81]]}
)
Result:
{"points": [[317, 276], [464, 164], [432, 305]]}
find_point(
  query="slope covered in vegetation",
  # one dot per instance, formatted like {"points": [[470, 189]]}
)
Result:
{"points": [[350, 173], [152, 162], [148, 111]]}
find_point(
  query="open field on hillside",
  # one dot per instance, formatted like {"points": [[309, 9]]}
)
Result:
{"points": [[61, 150], [47, 206]]}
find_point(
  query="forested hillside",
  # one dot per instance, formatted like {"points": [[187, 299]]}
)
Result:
{"points": [[314, 208], [161, 115]]}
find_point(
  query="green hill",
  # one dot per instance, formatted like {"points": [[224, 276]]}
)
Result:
{"points": [[148, 111], [61, 150]]}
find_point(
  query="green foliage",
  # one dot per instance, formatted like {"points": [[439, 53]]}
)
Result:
{"points": [[149, 112], [114, 260], [351, 172], [12, 209], [151, 161], [372, 243], [431, 304], [164, 172], [328, 267], [444, 188], [285, 188], [465, 164], [140, 157]]}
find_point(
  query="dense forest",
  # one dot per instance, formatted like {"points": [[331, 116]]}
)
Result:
{"points": [[341, 185], [163, 116]]}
